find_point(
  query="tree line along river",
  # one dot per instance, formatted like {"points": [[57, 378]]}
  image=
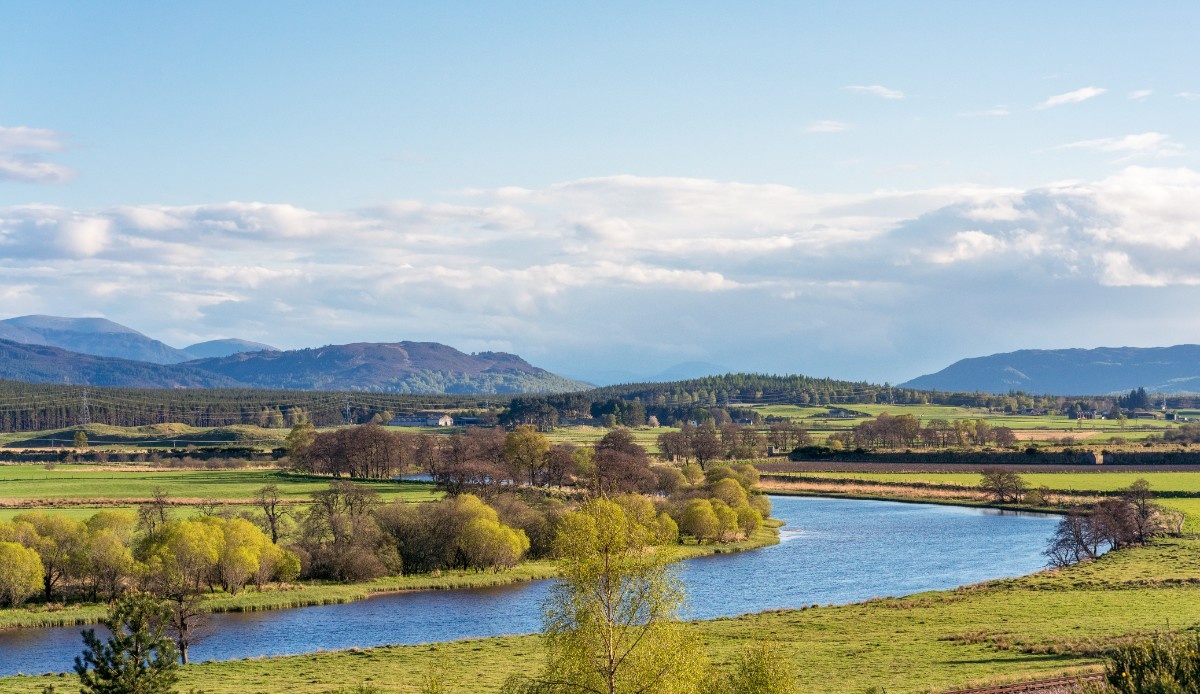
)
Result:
{"points": [[832, 551]]}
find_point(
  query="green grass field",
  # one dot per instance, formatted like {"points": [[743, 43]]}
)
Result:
{"points": [[1099, 481], [96, 483]]}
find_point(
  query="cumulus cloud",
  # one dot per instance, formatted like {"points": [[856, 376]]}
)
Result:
{"points": [[593, 269], [1074, 97], [875, 90], [20, 158], [827, 126]]}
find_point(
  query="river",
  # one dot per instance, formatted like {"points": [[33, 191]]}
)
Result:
{"points": [[832, 551]]}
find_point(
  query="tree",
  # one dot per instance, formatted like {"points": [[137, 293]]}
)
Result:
{"points": [[80, 440], [138, 658], [20, 573], [60, 542], [180, 559], [1003, 486], [269, 501], [525, 451], [611, 621]]}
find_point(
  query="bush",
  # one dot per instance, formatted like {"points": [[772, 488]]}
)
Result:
{"points": [[1164, 664]]}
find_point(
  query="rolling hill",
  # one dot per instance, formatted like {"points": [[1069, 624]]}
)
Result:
{"points": [[1100, 371], [401, 367], [404, 367], [95, 336]]}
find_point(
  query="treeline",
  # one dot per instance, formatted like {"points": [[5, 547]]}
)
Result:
{"points": [[37, 407], [721, 399], [1130, 518], [905, 431]]}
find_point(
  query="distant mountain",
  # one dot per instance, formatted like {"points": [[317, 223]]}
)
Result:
{"points": [[1100, 371], [401, 367], [224, 348], [46, 364], [95, 336]]}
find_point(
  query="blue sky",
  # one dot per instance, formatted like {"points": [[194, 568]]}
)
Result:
{"points": [[861, 190]]}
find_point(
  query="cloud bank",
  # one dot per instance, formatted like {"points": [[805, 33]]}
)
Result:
{"points": [[641, 273]]}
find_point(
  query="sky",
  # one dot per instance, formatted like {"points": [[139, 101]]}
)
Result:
{"points": [[861, 190]]}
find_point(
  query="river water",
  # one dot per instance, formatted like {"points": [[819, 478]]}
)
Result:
{"points": [[832, 551]]}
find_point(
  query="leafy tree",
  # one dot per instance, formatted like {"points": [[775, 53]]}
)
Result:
{"points": [[525, 451], [611, 622], [80, 440], [1003, 486], [20, 573], [60, 542], [489, 544], [138, 658]]}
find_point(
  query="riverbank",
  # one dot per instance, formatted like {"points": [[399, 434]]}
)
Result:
{"points": [[1034, 626], [323, 593]]}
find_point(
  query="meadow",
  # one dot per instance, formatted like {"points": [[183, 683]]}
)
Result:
{"points": [[70, 484]]}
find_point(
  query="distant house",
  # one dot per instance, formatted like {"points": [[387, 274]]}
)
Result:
{"points": [[423, 419]]}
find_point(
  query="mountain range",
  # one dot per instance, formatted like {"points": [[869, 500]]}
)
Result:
{"points": [[1100, 371], [103, 338], [95, 351]]}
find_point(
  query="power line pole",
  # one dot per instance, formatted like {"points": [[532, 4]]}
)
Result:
{"points": [[346, 411], [85, 411]]}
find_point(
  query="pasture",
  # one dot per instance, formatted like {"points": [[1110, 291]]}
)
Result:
{"points": [[71, 485]]}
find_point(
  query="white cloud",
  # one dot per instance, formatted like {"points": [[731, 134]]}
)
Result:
{"points": [[875, 90], [32, 170], [827, 126], [644, 262], [1140, 94], [1141, 144], [25, 138], [18, 161], [1190, 96], [1071, 97]]}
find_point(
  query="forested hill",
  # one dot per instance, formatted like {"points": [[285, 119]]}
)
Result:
{"points": [[404, 367], [45, 364], [400, 367], [1100, 371], [693, 399]]}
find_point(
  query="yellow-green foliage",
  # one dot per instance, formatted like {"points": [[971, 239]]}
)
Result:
{"points": [[20, 573]]}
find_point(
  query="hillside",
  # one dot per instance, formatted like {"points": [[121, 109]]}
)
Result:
{"points": [[1100, 371], [402, 367], [223, 348], [46, 364], [405, 367], [103, 338]]}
